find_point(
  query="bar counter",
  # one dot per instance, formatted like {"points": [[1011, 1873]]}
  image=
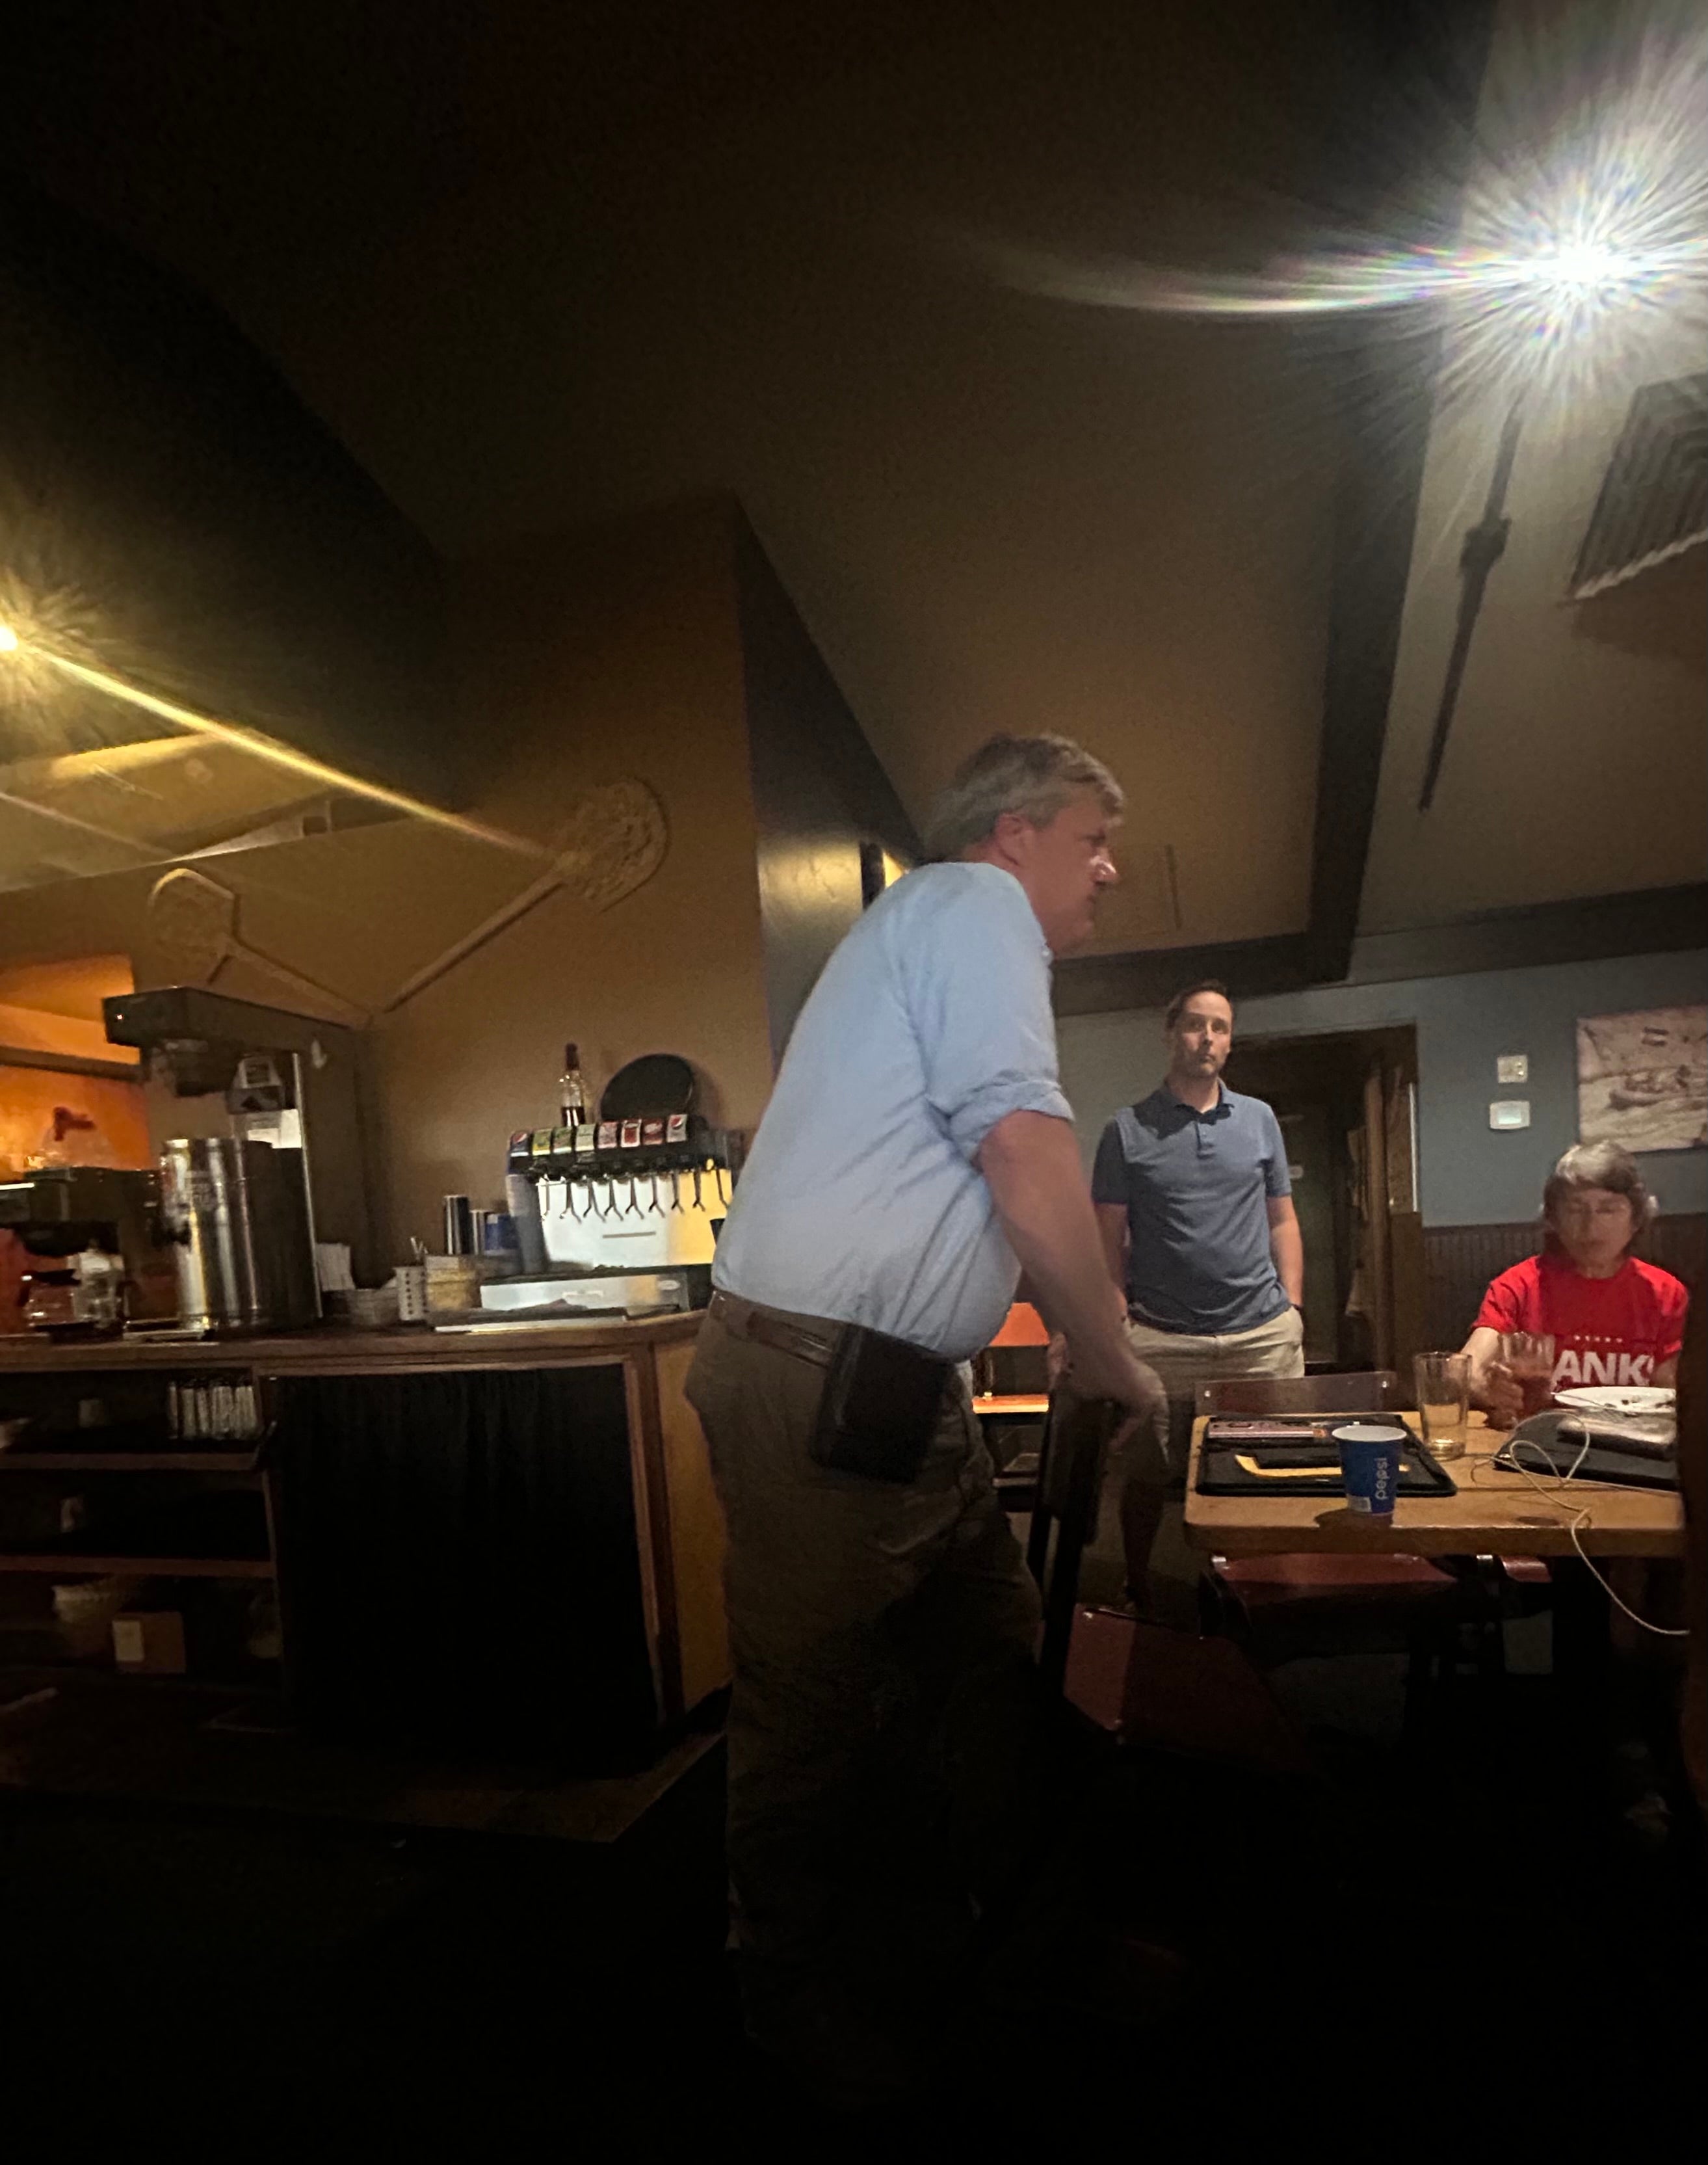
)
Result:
{"points": [[506, 1537], [335, 1349]]}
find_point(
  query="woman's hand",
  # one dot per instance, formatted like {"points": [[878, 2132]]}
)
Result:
{"points": [[1500, 1394]]}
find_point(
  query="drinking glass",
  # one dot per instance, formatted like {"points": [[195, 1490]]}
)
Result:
{"points": [[1444, 1382], [1529, 1356]]}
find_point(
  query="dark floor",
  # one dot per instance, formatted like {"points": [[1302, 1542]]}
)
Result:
{"points": [[1467, 1924]]}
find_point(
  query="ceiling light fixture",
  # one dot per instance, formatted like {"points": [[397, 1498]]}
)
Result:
{"points": [[1586, 216], [1555, 297]]}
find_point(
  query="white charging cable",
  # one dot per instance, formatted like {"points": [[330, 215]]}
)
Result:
{"points": [[1581, 1518]]}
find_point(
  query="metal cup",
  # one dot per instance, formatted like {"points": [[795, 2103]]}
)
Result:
{"points": [[459, 1226]]}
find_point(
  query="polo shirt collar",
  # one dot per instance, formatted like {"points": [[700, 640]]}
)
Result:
{"points": [[1179, 1111]]}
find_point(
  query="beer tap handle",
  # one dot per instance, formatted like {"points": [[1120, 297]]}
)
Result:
{"points": [[633, 1209], [717, 1175], [676, 1190], [697, 1203], [570, 1199], [655, 1209]]}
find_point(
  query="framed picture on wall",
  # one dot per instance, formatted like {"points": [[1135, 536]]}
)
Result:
{"points": [[1643, 1078]]}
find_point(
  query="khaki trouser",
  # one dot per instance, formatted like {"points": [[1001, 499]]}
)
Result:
{"points": [[1183, 1359], [1147, 1487], [882, 1638]]}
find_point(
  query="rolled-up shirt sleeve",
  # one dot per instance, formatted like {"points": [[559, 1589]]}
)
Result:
{"points": [[978, 994]]}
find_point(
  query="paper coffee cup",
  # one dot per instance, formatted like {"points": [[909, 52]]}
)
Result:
{"points": [[1370, 1454]]}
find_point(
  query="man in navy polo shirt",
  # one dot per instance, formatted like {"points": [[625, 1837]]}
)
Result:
{"points": [[1195, 1210]]}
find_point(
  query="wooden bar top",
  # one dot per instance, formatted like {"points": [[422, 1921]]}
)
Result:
{"points": [[333, 1349], [1489, 1513]]}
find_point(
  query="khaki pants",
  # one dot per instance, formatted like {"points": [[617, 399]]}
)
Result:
{"points": [[1183, 1361], [882, 1636], [1149, 1485]]}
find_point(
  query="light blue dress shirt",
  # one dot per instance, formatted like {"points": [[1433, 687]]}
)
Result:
{"points": [[860, 1201]]}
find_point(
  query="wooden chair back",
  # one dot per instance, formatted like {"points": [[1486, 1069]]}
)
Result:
{"points": [[1072, 1457], [1369, 1391]]}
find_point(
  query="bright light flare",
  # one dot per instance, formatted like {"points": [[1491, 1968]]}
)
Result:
{"points": [[188, 719], [1584, 266], [8, 639], [1586, 215]]}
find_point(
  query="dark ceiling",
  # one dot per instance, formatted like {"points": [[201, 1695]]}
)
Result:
{"points": [[540, 264]]}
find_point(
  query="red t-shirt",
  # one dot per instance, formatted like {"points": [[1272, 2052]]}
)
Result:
{"points": [[1605, 1330]]}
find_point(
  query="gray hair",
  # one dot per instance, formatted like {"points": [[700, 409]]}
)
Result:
{"points": [[1033, 775], [1598, 1165]]}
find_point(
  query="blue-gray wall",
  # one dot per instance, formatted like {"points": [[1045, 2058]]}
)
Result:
{"points": [[1469, 1174]]}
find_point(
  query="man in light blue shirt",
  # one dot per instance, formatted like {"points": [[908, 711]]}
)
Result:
{"points": [[862, 1200], [917, 1151]]}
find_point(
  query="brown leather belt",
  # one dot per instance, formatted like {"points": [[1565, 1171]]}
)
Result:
{"points": [[745, 1319]]}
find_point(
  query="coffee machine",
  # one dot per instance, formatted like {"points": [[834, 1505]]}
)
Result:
{"points": [[103, 1259], [258, 1114]]}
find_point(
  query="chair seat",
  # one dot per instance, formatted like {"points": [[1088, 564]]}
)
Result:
{"points": [[1173, 1691], [1300, 1577]]}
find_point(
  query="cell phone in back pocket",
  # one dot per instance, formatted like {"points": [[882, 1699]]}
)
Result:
{"points": [[881, 1403]]}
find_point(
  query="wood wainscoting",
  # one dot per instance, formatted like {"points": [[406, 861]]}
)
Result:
{"points": [[1459, 1262]]}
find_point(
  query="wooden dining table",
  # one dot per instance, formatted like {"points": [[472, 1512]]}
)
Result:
{"points": [[1489, 1513]]}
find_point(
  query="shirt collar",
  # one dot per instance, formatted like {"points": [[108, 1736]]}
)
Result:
{"points": [[1179, 1111]]}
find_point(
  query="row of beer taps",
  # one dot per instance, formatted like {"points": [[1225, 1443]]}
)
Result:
{"points": [[590, 1184]]}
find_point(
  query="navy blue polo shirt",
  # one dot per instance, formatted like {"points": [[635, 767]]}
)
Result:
{"points": [[1196, 1188]]}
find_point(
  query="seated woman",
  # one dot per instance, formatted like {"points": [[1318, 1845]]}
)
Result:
{"points": [[1613, 1318]]}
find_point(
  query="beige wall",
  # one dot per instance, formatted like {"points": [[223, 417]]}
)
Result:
{"points": [[595, 662], [582, 660]]}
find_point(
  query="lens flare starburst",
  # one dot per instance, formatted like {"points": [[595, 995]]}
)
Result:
{"points": [[1585, 212]]}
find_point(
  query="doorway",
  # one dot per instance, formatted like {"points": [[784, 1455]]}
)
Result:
{"points": [[1346, 1105]]}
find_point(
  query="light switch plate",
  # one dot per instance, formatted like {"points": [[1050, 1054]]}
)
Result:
{"points": [[1513, 1067], [1510, 1112]]}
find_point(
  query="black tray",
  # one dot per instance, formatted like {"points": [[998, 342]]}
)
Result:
{"points": [[1219, 1474]]}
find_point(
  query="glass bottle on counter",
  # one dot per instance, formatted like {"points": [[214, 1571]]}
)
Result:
{"points": [[572, 1091]]}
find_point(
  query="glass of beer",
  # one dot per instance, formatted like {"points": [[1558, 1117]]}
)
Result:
{"points": [[1528, 1357], [1444, 1382]]}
